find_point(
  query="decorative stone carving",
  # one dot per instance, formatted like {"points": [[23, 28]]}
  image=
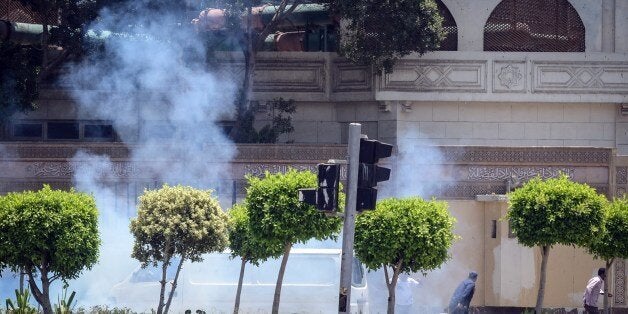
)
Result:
{"points": [[580, 77], [621, 175], [118, 151], [432, 75], [510, 76], [351, 78], [258, 170], [472, 170], [295, 75], [406, 106], [384, 106], [48, 169], [620, 281], [537, 155], [493, 173]]}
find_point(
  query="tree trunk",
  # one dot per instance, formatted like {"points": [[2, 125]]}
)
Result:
{"points": [[236, 307], [21, 280], [162, 282], [539, 298], [391, 285], [174, 284], [282, 270], [609, 264], [42, 296], [162, 289]]}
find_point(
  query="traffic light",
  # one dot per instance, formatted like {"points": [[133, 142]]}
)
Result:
{"points": [[325, 197], [369, 173]]}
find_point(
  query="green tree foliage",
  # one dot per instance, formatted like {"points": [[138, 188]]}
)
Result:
{"points": [[24, 68], [613, 241], [380, 32], [280, 115], [555, 211], [251, 40], [49, 235], [407, 235], [19, 69], [247, 247], [177, 223], [277, 215]]}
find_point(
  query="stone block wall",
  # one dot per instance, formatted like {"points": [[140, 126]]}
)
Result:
{"points": [[509, 124]]}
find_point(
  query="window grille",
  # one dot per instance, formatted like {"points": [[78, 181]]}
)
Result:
{"points": [[450, 43], [535, 26], [12, 10]]}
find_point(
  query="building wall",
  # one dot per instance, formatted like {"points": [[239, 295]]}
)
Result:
{"points": [[508, 124], [508, 272]]}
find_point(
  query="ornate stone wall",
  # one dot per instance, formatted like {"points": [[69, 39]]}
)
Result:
{"points": [[464, 171]]}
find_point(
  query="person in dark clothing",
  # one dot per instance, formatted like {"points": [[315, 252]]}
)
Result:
{"points": [[461, 299]]}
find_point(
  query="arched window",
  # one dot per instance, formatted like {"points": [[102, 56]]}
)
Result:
{"points": [[450, 43], [534, 25]]}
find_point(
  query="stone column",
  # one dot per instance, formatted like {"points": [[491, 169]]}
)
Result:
{"points": [[608, 25]]}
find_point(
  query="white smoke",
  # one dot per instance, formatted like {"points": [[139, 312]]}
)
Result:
{"points": [[151, 82], [418, 168], [93, 175]]}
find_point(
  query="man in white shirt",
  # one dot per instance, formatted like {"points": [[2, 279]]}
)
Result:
{"points": [[403, 294], [593, 290]]}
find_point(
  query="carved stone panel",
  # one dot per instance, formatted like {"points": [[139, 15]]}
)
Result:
{"points": [[509, 76], [348, 77], [436, 75], [289, 76], [620, 281], [580, 77], [463, 172], [536, 155]]}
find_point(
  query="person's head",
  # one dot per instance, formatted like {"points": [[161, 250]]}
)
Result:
{"points": [[473, 276], [602, 273]]}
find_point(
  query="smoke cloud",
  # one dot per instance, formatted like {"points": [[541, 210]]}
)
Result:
{"points": [[150, 81], [417, 167]]}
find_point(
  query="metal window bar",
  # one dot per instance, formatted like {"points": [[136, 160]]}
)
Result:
{"points": [[534, 26]]}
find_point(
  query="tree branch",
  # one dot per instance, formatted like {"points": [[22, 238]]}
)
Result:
{"points": [[278, 17]]}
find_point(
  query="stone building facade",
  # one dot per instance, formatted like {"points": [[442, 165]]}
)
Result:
{"points": [[490, 120]]}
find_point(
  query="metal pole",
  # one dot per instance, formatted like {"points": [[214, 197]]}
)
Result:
{"points": [[353, 152]]}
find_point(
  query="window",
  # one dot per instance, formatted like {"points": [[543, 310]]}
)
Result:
{"points": [[55, 130], [28, 130], [98, 132], [534, 25], [450, 43], [63, 131]]}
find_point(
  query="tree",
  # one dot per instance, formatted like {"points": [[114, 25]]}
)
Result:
{"points": [[407, 235], [280, 123], [380, 32], [19, 69], [555, 211], [25, 67], [276, 214], [50, 234], [177, 222], [613, 240], [243, 244], [237, 24]]}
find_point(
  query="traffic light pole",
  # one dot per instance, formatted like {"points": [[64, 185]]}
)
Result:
{"points": [[348, 231]]}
